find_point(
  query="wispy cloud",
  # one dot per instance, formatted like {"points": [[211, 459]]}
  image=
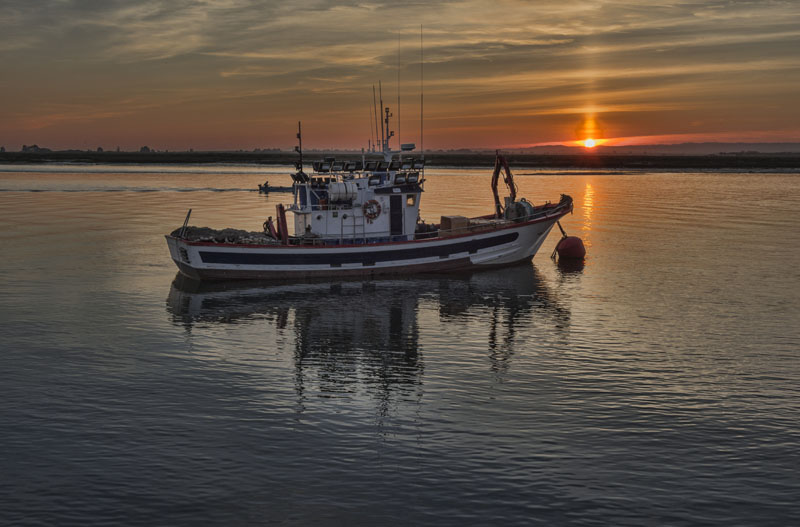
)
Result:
{"points": [[530, 62]]}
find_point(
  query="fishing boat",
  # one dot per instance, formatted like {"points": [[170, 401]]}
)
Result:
{"points": [[361, 218]]}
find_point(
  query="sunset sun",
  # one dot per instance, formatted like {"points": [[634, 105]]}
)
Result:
{"points": [[589, 143]]}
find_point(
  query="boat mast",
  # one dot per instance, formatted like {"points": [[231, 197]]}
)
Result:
{"points": [[383, 138], [386, 134], [300, 176], [299, 147]]}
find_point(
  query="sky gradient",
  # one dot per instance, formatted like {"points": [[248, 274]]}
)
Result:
{"points": [[239, 74]]}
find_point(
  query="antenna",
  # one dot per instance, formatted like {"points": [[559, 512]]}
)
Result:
{"points": [[384, 140], [399, 141], [421, 100], [375, 104], [371, 137]]}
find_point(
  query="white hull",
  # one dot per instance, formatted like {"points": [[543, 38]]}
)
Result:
{"points": [[503, 246]]}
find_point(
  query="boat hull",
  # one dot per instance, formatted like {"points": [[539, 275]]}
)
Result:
{"points": [[500, 247]]}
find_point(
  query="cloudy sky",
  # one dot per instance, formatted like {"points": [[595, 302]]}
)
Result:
{"points": [[230, 74]]}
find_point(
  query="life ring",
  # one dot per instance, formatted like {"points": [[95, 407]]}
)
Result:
{"points": [[371, 209]]}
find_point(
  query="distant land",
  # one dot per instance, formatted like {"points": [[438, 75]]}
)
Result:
{"points": [[677, 156]]}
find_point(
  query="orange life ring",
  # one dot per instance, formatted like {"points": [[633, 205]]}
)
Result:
{"points": [[371, 209]]}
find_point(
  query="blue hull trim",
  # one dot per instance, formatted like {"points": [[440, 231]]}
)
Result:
{"points": [[363, 256]]}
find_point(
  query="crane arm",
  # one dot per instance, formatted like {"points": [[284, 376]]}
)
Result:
{"points": [[500, 163]]}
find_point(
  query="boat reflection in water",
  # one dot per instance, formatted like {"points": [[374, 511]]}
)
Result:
{"points": [[348, 335]]}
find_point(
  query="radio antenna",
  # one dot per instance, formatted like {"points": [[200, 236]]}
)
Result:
{"points": [[399, 140], [375, 104], [421, 100], [371, 136]]}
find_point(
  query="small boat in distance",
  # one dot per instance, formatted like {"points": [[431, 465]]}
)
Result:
{"points": [[266, 188], [361, 218]]}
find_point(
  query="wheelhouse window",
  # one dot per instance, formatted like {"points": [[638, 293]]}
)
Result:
{"points": [[411, 200]]}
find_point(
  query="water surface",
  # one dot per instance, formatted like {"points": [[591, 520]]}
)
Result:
{"points": [[658, 384]]}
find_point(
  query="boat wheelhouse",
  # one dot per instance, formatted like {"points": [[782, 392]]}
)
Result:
{"points": [[358, 202]]}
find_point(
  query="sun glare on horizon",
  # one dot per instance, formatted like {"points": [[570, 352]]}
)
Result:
{"points": [[589, 143]]}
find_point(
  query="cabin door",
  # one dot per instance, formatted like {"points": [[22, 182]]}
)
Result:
{"points": [[396, 215]]}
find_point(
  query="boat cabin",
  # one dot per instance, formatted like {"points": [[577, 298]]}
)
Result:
{"points": [[356, 202]]}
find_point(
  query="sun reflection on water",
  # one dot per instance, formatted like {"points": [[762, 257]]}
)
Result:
{"points": [[588, 207]]}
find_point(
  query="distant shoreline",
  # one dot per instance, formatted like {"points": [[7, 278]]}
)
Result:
{"points": [[434, 159]]}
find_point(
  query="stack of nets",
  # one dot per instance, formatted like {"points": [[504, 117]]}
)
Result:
{"points": [[206, 234]]}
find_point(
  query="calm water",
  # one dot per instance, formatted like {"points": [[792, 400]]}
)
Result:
{"points": [[657, 385]]}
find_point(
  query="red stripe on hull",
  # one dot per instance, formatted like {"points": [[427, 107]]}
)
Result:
{"points": [[366, 272]]}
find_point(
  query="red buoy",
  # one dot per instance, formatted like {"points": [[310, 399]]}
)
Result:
{"points": [[571, 247]]}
